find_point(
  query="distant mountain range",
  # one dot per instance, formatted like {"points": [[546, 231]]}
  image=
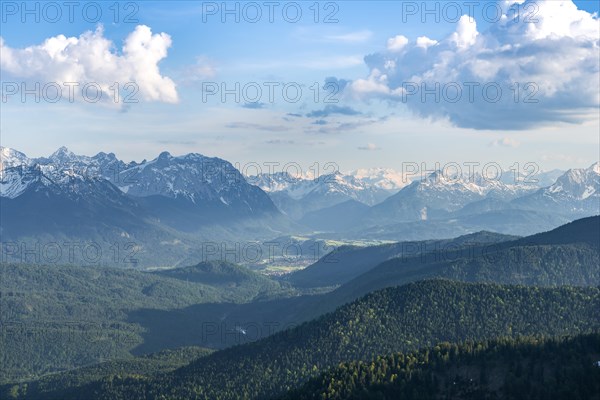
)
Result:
{"points": [[212, 184], [441, 206], [165, 210], [162, 210], [297, 196]]}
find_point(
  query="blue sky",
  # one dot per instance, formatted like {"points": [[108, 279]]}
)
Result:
{"points": [[371, 53]]}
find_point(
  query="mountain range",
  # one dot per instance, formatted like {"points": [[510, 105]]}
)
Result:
{"points": [[161, 210], [442, 205], [164, 211], [297, 196]]}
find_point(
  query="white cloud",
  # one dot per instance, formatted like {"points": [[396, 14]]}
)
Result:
{"points": [[91, 58], [556, 19], [466, 32], [397, 43], [506, 142], [425, 42], [551, 52], [376, 83]]}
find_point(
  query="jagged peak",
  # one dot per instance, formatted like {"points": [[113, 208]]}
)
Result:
{"points": [[61, 151], [192, 156], [101, 155], [165, 155], [6, 152]]}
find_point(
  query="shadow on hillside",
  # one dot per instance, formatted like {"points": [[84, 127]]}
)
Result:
{"points": [[216, 325]]}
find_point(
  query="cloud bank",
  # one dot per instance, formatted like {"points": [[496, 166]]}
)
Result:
{"points": [[526, 70], [91, 58]]}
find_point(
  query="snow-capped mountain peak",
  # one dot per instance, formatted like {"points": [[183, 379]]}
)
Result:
{"points": [[578, 184], [62, 153], [577, 190], [383, 178], [210, 186], [12, 158]]}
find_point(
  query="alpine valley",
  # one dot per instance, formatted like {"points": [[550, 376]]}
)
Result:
{"points": [[337, 200], [161, 279]]}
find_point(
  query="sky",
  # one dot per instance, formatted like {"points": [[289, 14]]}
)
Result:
{"points": [[353, 84]]}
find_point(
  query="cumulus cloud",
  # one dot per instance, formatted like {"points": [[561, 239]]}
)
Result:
{"points": [[425, 42], [526, 70], [466, 33], [92, 58], [397, 43]]}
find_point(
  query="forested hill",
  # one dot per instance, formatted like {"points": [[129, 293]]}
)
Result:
{"points": [[347, 262], [584, 230], [510, 369], [406, 318], [563, 256], [226, 276], [57, 317]]}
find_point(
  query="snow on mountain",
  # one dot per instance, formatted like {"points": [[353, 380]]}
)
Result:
{"points": [[575, 184], [295, 187], [185, 193], [12, 164], [451, 192], [338, 183], [383, 178], [577, 190], [202, 180], [334, 184], [11, 158], [14, 181], [63, 170], [193, 177], [441, 193], [297, 196]]}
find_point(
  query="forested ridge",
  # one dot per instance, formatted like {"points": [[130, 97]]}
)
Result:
{"points": [[148, 365], [55, 317], [531, 368], [400, 319]]}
